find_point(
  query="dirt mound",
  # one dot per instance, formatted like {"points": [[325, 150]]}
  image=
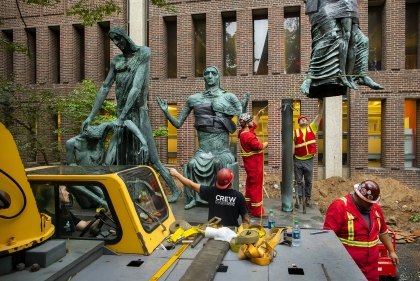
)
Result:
{"points": [[398, 202]]}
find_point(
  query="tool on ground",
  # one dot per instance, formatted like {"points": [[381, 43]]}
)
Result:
{"points": [[197, 239], [294, 270], [211, 223], [318, 232], [266, 192], [168, 264]]}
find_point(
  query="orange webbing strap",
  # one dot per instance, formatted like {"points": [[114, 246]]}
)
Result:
{"points": [[262, 252]]}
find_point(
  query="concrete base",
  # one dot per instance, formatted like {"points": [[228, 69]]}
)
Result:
{"points": [[5, 265], [46, 253]]}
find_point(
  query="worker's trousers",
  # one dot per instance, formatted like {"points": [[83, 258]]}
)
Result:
{"points": [[304, 170]]}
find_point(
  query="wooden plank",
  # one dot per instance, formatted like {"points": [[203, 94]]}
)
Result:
{"points": [[207, 261]]}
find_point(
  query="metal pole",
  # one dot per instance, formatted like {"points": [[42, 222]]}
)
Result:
{"points": [[287, 154]]}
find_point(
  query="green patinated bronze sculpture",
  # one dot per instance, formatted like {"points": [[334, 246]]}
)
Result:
{"points": [[213, 112], [339, 49], [132, 142]]}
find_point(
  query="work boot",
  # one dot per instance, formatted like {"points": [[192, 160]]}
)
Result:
{"points": [[308, 202]]}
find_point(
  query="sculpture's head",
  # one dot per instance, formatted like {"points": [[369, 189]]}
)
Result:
{"points": [[121, 39], [211, 76]]}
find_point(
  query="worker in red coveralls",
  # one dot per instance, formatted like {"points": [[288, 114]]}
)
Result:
{"points": [[359, 223], [253, 157]]}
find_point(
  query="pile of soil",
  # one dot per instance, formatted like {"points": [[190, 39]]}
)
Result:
{"points": [[398, 202]]}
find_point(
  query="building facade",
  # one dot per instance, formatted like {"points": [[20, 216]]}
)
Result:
{"points": [[260, 46]]}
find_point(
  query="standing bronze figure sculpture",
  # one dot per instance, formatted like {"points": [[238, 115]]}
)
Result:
{"points": [[130, 70], [213, 112], [339, 49]]}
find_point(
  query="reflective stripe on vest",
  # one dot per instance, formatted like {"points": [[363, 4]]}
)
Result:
{"points": [[378, 217], [247, 154], [297, 134], [359, 243], [350, 226]]}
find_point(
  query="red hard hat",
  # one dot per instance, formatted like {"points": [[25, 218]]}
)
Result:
{"points": [[368, 191], [224, 178], [300, 117]]}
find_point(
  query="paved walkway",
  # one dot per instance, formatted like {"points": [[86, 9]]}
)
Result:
{"points": [[312, 219]]}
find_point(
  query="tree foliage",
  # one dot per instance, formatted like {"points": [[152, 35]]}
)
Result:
{"points": [[74, 108], [90, 13], [28, 112]]}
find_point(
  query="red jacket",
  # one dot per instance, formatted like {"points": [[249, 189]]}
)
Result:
{"points": [[358, 238], [249, 143], [305, 146]]}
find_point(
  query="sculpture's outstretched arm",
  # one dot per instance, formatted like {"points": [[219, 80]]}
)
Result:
{"points": [[177, 123]]}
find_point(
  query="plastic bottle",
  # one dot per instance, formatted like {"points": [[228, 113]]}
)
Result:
{"points": [[271, 221], [296, 234]]}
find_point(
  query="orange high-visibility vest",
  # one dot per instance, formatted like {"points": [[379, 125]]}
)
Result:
{"points": [[305, 146]]}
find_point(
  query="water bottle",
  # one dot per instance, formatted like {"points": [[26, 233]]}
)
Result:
{"points": [[296, 234], [271, 222]]}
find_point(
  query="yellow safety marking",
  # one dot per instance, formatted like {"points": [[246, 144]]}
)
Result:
{"points": [[168, 264]]}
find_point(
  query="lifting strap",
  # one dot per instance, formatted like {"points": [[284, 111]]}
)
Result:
{"points": [[262, 252]]}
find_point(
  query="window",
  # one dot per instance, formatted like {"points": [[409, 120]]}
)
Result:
{"points": [[31, 35], [104, 28], [7, 35], [291, 42], [411, 35], [79, 55], [229, 46], [296, 113], [260, 20], [374, 133], [171, 46], [262, 129], [345, 131], [62, 201], [172, 136], [54, 32], [200, 44], [410, 119], [375, 38]]}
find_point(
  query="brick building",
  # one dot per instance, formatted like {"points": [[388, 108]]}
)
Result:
{"points": [[379, 128]]}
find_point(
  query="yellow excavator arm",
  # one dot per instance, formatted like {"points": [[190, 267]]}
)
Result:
{"points": [[21, 224]]}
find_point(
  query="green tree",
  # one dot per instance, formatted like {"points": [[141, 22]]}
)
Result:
{"points": [[28, 112], [75, 108]]}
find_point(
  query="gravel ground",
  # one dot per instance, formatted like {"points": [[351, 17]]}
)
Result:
{"points": [[409, 255]]}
